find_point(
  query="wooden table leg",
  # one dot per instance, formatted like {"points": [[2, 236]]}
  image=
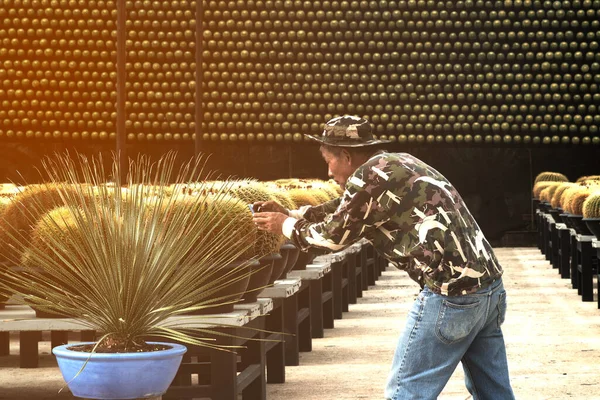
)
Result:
{"points": [[276, 354], [4, 343], [304, 319], [223, 372], [327, 301], [255, 355], [58, 338], [88, 336], [587, 280], [337, 276], [290, 317], [352, 283], [316, 308], [574, 262], [29, 348]]}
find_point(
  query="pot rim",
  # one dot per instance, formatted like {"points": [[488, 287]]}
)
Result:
{"points": [[63, 351]]}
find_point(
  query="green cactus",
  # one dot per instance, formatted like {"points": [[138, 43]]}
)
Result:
{"points": [[550, 177], [588, 178], [58, 224], [577, 200], [250, 192], [591, 206], [284, 199], [303, 198], [556, 197], [538, 187], [19, 217]]}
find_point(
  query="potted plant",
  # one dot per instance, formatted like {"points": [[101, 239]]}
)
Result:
{"points": [[573, 205], [549, 176], [267, 245], [543, 180], [546, 198], [121, 270], [591, 213]]}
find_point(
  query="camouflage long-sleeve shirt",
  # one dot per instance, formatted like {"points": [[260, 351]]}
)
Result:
{"points": [[413, 216]]}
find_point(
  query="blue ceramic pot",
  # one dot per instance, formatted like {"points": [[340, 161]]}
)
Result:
{"points": [[112, 376]]}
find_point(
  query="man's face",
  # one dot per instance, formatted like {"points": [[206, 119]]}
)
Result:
{"points": [[339, 166]]}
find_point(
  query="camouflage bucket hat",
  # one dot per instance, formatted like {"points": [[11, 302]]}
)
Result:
{"points": [[347, 131]]}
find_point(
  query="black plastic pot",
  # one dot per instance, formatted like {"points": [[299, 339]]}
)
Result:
{"points": [[555, 213], [578, 224], [565, 219], [545, 206], [291, 253], [593, 225]]}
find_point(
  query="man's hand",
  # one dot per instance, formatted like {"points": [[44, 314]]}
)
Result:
{"points": [[269, 206], [270, 221]]}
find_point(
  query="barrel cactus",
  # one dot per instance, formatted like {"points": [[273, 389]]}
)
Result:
{"points": [[250, 192], [547, 193], [591, 206], [281, 197], [538, 187], [303, 198], [550, 177], [319, 194], [556, 197], [27, 206], [588, 178], [575, 203], [60, 225]]}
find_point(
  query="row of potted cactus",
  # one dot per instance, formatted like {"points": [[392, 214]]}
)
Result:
{"points": [[124, 256], [577, 204]]}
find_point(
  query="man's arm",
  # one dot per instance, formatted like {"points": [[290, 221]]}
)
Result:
{"points": [[316, 213], [371, 198]]}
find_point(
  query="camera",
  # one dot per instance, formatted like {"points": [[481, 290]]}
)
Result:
{"points": [[252, 210]]}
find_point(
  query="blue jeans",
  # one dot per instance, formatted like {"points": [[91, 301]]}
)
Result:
{"points": [[441, 331]]}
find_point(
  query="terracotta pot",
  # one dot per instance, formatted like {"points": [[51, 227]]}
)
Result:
{"points": [[259, 278], [232, 292]]}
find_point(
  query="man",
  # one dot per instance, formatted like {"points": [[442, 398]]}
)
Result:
{"points": [[415, 218]]}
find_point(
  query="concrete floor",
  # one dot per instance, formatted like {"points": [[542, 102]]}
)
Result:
{"points": [[552, 338]]}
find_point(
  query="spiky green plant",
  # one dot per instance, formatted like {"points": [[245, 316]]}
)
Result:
{"points": [[550, 177], [591, 206], [131, 270]]}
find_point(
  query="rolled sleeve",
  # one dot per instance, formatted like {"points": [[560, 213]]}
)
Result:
{"points": [[288, 227]]}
